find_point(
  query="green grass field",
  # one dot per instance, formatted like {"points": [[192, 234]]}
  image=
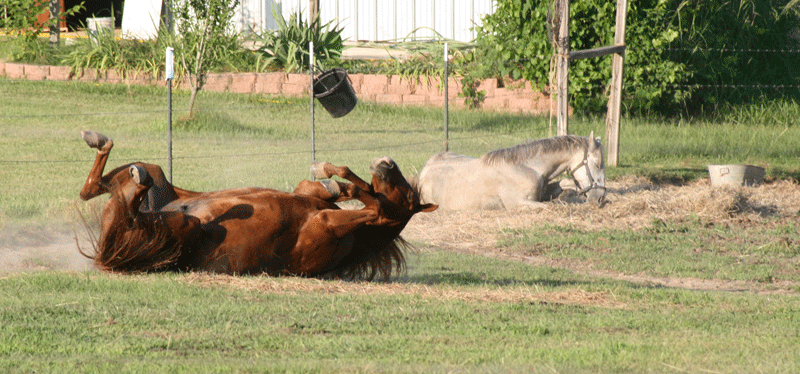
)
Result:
{"points": [[451, 312]]}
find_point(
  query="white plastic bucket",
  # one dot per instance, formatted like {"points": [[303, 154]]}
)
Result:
{"points": [[735, 175], [99, 26]]}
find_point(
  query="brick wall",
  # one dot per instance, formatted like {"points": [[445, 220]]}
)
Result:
{"points": [[517, 96]]}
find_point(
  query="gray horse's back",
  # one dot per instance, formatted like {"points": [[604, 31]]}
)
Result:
{"points": [[436, 177], [459, 182]]}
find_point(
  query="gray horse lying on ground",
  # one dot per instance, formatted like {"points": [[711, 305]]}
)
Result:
{"points": [[516, 176]]}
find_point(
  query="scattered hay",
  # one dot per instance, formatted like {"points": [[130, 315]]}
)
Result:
{"points": [[633, 203], [294, 286]]}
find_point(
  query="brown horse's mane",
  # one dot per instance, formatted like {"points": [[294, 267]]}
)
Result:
{"points": [[129, 246], [413, 181], [366, 262], [521, 153]]}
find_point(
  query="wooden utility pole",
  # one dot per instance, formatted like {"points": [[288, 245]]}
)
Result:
{"points": [[562, 69], [615, 98]]}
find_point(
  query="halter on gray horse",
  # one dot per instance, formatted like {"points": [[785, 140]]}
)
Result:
{"points": [[516, 176]]}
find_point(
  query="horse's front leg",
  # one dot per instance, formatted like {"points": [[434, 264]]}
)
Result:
{"points": [[358, 189], [328, 190], [95, 184], [325, 170], [326, 239]]}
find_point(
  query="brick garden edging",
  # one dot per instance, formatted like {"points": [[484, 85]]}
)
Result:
{"points": [[388, 89]]}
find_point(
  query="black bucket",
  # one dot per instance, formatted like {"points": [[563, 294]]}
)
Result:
{"points": [[333, 90]]}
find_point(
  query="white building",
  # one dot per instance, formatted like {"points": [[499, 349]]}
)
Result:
{"points": [[361, 20]]}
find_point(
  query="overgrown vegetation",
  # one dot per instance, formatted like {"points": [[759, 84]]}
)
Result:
{"points": [[105, 52], [682, 56], [20, 19]]}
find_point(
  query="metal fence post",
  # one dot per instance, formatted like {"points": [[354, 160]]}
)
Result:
{"points": [[311, 94], [169, 75], [446, 102]]}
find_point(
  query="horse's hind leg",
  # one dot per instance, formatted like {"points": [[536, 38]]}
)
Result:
{"points": [[95, 185]]}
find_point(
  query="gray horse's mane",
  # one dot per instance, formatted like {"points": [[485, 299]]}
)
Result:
{"points": [[520, 153]]}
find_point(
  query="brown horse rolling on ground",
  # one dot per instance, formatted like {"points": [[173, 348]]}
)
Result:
{"points": [[150, 225]]}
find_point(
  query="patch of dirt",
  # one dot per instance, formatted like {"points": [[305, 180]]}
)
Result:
{"points": [[633, 203], [42, 247]]}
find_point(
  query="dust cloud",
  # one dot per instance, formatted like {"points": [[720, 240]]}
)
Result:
{"points": [[36, 247]]}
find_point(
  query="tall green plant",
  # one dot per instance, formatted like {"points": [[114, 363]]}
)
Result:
{"points": [[287, 47], [204, 34], [105, 52], [519, 41], [20, 17]]}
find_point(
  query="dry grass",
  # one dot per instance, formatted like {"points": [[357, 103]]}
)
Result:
{"points": [[292, 285], [633, 203]]}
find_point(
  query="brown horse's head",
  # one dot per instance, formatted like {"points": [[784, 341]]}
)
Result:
{"points": [[399, 200], [378, 247]]}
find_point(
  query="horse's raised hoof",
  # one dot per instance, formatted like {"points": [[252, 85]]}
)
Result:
{"points": [[332, 187], [380, 167], [140, 175], [97, 140], [318, 170]]}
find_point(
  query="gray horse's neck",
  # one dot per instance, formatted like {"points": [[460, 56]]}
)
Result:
{"points": [[549, 157]]}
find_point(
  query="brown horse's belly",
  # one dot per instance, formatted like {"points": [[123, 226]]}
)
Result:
{"points": [[256, 232]]}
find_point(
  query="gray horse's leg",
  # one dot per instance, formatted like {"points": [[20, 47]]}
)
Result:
{"points": [[524, 188]]}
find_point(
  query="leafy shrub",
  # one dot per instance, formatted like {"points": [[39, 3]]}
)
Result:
{"points": [[657, 79], [743, 43], [287, 47], [20, 19], [105, 52]]}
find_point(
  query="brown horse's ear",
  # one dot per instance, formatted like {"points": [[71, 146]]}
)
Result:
{"points": [[428, 207]]}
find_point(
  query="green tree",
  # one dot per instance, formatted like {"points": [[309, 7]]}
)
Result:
{"points": [[204, 33]]}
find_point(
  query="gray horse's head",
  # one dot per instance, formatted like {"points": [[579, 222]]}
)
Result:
{"points": [[591, 176]]}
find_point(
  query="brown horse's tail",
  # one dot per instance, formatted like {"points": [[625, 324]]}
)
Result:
{"points": [[133, 245], [375, 254]]}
